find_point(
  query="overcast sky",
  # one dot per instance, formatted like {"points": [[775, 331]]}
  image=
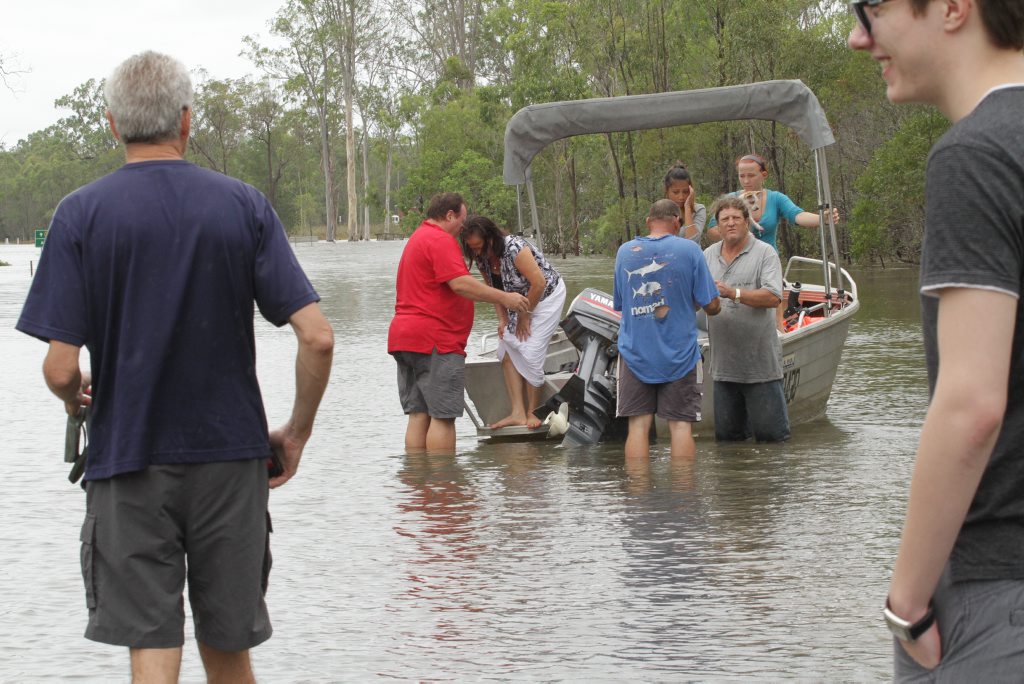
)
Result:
{"points": [[63, 43]]}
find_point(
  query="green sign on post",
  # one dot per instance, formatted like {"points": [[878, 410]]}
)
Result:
{"points": [[40, 237]]}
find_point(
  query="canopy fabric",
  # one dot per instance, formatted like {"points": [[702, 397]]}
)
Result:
{"points": [[535, 127]]}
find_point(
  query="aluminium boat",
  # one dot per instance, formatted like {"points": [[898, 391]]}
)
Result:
{"points": [[580, 370]]}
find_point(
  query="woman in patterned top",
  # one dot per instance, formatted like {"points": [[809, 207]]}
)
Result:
{"points": [[513, 264]]}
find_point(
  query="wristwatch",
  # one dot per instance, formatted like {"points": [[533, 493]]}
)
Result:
{"points": [[737, 297], [904, 630]]}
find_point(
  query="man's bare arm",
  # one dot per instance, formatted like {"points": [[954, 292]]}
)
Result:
{"points": [[761, 298], [64, 377], [469, 287], [713, 307], [960, 430], [312, 370]]}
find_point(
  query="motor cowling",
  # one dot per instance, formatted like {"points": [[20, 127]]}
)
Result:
{"points": [[592, 325]]}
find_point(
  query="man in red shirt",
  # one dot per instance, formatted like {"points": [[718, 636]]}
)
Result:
{"points": [[433, 319]]}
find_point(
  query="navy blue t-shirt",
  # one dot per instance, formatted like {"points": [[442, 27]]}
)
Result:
{"points": [[155, 269]]}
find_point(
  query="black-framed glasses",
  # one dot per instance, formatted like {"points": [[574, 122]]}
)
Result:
{"points": [[859, 9]]}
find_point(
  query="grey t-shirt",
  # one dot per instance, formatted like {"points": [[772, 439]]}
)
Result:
{"points": [[974, 238], [744, 341]]}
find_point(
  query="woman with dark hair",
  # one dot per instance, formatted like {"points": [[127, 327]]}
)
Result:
{"points": [[513, 264], [766, 206], [679, 188]]}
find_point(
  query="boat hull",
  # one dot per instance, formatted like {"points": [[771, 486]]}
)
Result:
{"points": [[810, 360]]}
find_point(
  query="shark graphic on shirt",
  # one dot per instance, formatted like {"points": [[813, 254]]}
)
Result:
{"points": [[652, 267]]}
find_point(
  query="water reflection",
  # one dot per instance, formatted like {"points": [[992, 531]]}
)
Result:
{"points": [[437, 512]]}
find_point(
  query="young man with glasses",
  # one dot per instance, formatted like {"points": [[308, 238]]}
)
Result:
{"points": [[956, 601]]}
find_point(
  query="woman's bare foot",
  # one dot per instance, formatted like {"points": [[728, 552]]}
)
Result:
{"points": [[533, 422], [508, 421]]}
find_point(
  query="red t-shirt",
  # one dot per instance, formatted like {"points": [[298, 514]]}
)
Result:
{"points": [[428, 313]]}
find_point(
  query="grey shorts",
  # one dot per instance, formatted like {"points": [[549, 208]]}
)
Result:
{"points": [[678, 400], [981, 624], [146, 532], [431, 383]]}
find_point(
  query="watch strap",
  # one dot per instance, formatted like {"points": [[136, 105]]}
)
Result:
{"points": [[904, 630]]}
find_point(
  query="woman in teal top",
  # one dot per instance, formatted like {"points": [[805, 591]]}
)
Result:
{"points": [[766, 206]]}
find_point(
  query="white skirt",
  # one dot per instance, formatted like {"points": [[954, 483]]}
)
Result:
{"points": [[528, 355]]}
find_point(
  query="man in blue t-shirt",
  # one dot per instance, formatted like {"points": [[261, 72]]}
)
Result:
{"points": [[156, 269], [956, 598], [660, 281]]}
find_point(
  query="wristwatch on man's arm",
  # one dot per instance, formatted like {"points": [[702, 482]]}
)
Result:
{"points": [[904, 630]]}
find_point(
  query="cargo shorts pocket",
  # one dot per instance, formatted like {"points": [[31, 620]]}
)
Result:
{"points": [[268, 560], [88, 539]]}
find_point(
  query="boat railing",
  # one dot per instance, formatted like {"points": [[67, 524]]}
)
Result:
{"points": [[833, 269], [805, 313], [485, 339]]}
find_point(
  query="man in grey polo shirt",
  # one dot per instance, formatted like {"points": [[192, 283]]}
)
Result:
{"points": [[746, 356]]}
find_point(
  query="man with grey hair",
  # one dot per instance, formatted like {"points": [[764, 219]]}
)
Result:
{"points": [[746, 355], [157, 268], [660, 280]]}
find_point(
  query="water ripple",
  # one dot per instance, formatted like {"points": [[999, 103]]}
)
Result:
{"points": [[512, 561]]}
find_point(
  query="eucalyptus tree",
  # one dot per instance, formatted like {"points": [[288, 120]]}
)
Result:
{"points": [[544, 65], [445, 37], [48, 164], [264, 112], [888, 217], [307, 66], [339, 19], [218, 121], [86, 130], [364, 37], [383, 106], [10, 70]]}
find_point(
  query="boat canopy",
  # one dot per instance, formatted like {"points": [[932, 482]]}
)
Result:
{"points": [[789, 102]]}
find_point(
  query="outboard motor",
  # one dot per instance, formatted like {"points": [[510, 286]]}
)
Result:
{"points": [[592, 325]]}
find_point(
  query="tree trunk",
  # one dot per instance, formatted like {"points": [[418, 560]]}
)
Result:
{"points": [[632, 164], [348, 77], [366, 183], [575, 205], [350, 167], [271, 180], [559, 231], [327, 166], [620, 186], [387, 186]]}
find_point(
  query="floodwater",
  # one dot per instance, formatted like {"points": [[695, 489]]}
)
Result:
{"points": [[510, 561]]}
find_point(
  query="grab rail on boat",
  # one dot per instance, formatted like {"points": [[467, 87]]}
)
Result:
{"points": [[803, 315], [841, 272], [484, 339]]}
